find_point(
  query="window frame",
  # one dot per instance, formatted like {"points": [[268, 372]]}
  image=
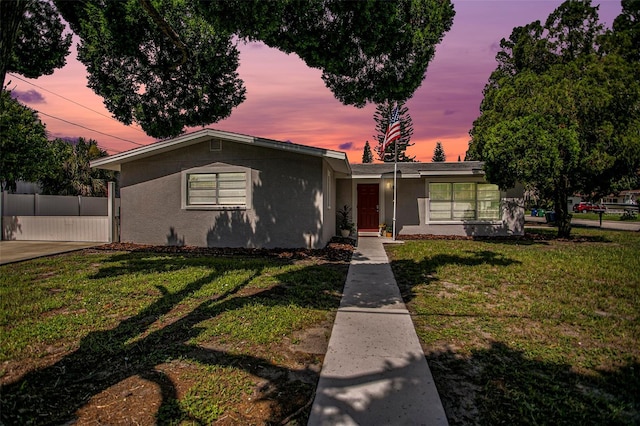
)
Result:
{"points": [[475, 199], [215, 170]]}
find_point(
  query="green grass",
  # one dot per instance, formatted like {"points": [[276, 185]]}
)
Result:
{"points": [[529, 332], [78, 324], [596, 216], [606, 216]]}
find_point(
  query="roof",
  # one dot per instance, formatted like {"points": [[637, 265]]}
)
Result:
{"points": [[416, 170], [337, 159]]}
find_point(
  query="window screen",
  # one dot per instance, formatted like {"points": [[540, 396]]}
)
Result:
{"points": [[222, 189]]}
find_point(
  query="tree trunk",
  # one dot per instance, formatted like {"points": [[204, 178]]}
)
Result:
{"points": [[11, 14], [563, 216]]}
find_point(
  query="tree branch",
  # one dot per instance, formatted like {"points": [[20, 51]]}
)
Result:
{"points": [[167, 29]]}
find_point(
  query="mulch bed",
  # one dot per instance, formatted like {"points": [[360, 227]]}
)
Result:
{"points": [[338, 249]]}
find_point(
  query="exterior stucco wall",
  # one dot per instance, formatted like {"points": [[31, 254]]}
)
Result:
{"points": [[329, 188], [387, 205], [411, 192], [286, 200], [344, 197], [343, 192]]}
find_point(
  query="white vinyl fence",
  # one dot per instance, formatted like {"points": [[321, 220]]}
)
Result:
{"points": [[60, 218]]}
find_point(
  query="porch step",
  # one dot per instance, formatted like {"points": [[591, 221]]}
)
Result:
{"points": [[368, 234]]}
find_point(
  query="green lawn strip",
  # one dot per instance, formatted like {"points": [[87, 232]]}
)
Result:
{"points": [[596, 216], [149, 309], [606, 216], [535, 331]]}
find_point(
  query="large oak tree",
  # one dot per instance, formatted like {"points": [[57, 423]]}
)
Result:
{"points": [[561, 112], [32, 38]]}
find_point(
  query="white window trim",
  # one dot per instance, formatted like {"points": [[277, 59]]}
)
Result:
{"points": [[428, 220], [216, 169]]}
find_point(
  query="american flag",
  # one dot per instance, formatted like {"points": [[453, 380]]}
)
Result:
{"points": [[393, 132]]}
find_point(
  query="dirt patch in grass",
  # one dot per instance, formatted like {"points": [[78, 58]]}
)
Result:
{"points": [[159, 367]]}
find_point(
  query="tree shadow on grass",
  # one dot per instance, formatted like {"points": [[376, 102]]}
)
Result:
{"points": [[410, 274], [501, 385], [138, 345]]}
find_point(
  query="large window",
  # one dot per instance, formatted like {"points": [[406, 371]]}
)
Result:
{"points": [[215, 189], [463, 201]]}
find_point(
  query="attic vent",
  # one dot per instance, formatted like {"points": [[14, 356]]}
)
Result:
{"points": [[215, 145]]}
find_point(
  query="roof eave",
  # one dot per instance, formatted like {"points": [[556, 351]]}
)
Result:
{"points": [[338, 160], [472, 172]]}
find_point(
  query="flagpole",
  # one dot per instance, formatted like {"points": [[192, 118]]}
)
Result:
{"points": [[394, 131], [395, 185]]}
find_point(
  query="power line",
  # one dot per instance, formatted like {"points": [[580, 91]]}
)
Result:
{"points": [[92, 130], [69, 100]]}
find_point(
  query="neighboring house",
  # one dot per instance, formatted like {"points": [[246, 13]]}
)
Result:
{"points": [[630, 196], [218, 189], [24, 187]]}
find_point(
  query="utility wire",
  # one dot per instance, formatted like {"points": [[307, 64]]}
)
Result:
{"points": [[69, 100], [97, 131]]}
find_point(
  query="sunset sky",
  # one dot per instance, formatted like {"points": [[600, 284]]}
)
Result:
{"points": [[288, 101]]}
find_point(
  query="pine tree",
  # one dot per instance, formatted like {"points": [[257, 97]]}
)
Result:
{"points": [[367, 156], [381, 117], [438, 154], [459, 158]]}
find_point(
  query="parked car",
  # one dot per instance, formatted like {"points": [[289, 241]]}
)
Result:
{"points": [[586, 207]]}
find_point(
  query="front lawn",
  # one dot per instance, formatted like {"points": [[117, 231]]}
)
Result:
{"points": [[615, 217], [536, 331], [104, 337], [607, 216]]}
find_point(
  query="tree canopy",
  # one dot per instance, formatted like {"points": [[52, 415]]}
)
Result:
{"points": [[23, 143], [382, 117], [70, 172], [60, 167], [367, 155], [438, 153], [32, 39], [170, 64], [561, 112]]}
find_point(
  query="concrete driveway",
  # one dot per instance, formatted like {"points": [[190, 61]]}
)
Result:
{"points": [[16, 251]]}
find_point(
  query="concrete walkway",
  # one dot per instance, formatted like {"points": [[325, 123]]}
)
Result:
{"points": [[374, 372], [16, 251]]}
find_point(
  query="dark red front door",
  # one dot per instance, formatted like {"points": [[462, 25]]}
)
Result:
{"points": [[367, 207]]}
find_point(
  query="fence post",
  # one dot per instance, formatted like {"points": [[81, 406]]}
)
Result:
{"points": [[111, 201], [36, 205]]}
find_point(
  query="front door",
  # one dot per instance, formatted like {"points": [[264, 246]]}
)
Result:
{"points": [[368, 207]]}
